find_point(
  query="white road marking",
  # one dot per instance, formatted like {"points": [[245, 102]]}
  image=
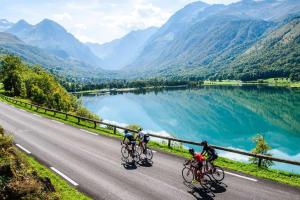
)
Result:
{"points": [[23, 110], [56, 121], [37, 115], [154, 151], [89, 132], [28, 152], [240, 176], [64, 176]]}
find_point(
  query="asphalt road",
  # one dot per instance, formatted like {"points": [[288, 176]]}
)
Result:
{"points": [[94, 163]]}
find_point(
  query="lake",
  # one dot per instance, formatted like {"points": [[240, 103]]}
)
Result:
{"points": [[222, 115]]}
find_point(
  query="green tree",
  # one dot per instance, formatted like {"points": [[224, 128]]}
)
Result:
{"points": [[261, 148]]}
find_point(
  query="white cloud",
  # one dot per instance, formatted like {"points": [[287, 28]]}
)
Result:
{"points": [[96, 20]]}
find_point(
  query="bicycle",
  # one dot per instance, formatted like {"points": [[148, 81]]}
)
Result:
{"points": [[130, 150], [142, 148], [190, 173], [216, 172]]}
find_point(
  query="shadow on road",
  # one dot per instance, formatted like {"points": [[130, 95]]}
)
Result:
{"points": [[129, 165], [145, 163], [200, 193]]}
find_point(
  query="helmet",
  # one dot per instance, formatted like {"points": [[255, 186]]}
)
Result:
{"points": [[126, 131], [191, 151], [204, 143], [140, 129]]}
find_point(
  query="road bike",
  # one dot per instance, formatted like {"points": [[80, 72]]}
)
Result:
{"points": [[216, 172], [191, 173], [143, 149], [130, 151]]}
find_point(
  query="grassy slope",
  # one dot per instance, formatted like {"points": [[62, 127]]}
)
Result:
{"points": [[64, 190], [275, 175]]}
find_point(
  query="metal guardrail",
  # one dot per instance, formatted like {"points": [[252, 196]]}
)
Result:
{"points": [[169, 139]]}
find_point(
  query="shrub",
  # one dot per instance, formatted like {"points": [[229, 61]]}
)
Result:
{"points": [[261, 148]]}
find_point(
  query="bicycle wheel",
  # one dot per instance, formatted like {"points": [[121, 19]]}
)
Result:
{"points": [[124, 151], [135, 156], [206, 182], [149, 153], [188, 175], [218, 173]]}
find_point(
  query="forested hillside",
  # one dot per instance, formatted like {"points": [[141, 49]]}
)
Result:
{"points": [[40, 87], [276, 55]]}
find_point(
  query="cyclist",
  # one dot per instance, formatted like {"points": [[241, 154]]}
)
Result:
{"points": [[143, 138], [129, 139], [210, 151], [198, 160]]}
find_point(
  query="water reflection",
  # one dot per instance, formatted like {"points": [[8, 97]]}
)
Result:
{"points": [[226, 116]]}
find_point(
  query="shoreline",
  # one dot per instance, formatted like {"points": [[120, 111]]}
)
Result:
{"points": [[232, 83]]}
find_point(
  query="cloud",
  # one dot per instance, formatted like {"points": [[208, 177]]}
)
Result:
{"points": [[96, 20]]}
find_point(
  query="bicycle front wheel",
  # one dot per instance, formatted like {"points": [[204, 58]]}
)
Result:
{"points": [[218, 173], [124, 151], [188, 175]]}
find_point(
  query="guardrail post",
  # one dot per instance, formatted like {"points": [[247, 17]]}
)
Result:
{"points": [[115, 130], [259, 162], [66, 116], [95, 125], [78, 120], [169, 143]]}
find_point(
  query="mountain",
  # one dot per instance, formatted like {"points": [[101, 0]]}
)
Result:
{"points": [[121, 52], [5, 24], [10, 44], [52, 37], [200, 38], [275, 55]]}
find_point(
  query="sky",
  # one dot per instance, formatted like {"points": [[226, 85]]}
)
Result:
{"points": [[96, 20]]}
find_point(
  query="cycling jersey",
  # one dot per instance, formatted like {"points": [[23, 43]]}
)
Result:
{"points": [[199, 157], [129, 136], [209, 150]]}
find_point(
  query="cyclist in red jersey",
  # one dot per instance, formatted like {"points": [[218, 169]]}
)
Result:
{"points": [[198, 159]]}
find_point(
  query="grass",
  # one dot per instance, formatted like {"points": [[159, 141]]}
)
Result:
{"points": [[271, 174], [64, 190], [279, 82]]}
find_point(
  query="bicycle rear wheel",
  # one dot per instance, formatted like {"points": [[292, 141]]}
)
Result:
{"points": [[149, 153], [206, 182], [188, 175], [124, 151], [218, 173]]}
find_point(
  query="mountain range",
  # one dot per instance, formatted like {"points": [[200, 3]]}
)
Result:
{"points": [[243, 40]]}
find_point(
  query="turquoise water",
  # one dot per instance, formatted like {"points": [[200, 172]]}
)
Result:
{"points": [[225, 116]]}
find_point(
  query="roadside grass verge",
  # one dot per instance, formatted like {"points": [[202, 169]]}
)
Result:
{"points": [[22, 177], [247, 168], [63, 189]]}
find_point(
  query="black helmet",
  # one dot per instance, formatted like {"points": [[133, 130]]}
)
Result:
{"points": [[126, 131], [204, 143], [191, 151]]}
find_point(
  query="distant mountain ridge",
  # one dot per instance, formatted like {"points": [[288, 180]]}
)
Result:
{"points": [[5, 24], [11, 44], [121, 52], [52, 37], [201, 39]]}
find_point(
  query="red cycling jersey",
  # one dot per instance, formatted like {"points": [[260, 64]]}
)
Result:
{"points": [[199, 157]]}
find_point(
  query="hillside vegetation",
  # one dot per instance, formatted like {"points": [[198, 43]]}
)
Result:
{"points": [[37, 85], [17, 179], [276, 55]]}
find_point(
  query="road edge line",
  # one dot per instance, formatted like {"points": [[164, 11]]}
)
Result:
{"points": [[240, 176], [24, 149], [64, 176]]}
